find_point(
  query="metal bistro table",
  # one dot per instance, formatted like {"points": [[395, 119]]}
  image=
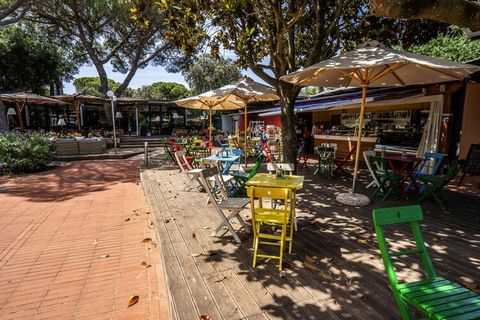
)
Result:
{"points": [[291, 182], [227, 161]]}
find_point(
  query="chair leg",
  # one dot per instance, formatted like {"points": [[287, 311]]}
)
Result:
{"points": [[282, 246], [293, 225], [402, 306], [256, 231]]}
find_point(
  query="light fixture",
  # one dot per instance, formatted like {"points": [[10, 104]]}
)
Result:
{"points": [[175, 115], [11, 112], [118, 115], [110, 94], [61, 122]]}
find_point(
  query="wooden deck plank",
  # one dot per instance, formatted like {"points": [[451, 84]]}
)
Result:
{"points": [[351, 286]]}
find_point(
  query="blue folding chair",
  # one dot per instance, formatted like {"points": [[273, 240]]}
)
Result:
{"points": [[430, 165]]}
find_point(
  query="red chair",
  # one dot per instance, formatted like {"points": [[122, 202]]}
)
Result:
{"points": [[339, 163], [302, 157]]}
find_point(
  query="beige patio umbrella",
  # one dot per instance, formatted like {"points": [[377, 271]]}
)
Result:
{"points": [[204, 102], [372, 65], [239, 93]]}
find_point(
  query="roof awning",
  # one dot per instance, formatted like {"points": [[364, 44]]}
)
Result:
{"points": [[355, 103]]}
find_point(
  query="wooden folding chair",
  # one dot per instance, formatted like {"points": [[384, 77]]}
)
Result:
{"points": [[227, 179], [222, 202], [192, 175], [434, 184], [436, 297], [389, 182], [263, 219], [373, 171], [169, 153], [340, 163], [326, 156]]}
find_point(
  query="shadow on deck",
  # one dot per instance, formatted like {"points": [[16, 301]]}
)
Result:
{"points": [[335, 272]]}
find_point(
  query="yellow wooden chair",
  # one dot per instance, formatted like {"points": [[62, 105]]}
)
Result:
{"points": [[264, 218]]}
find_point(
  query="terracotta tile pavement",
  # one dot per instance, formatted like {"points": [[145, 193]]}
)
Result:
{"points": [[71, 245]]}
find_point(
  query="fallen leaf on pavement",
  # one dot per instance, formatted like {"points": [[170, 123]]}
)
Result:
{"points": [[147, 212], [362, 241], [151, 223], [194, 235], [103, 256], [220, 278], [194, 254], [128, 219], [310, 259], [133, 300], [95, 242], [147, 240], [205, 317], [206, 227], [145, 265], [310, 265]]}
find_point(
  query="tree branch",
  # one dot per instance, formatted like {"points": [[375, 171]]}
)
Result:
{"points": [[463, 13]]}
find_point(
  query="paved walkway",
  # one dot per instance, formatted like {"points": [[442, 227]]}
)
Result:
{"points": [[75, 243]]}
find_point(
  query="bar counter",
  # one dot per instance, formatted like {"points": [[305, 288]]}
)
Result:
{"points": [[346, 143]]}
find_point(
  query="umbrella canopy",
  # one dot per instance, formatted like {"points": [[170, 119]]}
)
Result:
{"points": [[376, 66], [30, 98], [373, 65], [230, 97]]}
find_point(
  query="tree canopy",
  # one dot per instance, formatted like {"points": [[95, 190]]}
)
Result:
{"points": [[162, 91], [91, 86], [30, 62], [107, 33], [453, 45], [207, 73]]}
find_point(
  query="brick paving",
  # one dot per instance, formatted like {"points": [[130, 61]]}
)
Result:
{"points": [[72, 245]]}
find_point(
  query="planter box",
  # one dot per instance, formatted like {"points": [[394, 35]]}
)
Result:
{"points": [[66, 147], [90, 146]]}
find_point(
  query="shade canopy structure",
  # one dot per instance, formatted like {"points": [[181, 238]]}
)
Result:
{"points": [[24, 98], [233, 96], [373, 65]]}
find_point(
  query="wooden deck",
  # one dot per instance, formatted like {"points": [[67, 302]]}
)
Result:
{"points": [[335, 271]]}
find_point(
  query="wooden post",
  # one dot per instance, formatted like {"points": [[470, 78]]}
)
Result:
{"points": [[146, 154], [19, 114], [77, 110], [246, 141], [210, 129]]}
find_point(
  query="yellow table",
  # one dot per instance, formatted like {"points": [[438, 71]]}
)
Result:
{"points": [[271, 181]]}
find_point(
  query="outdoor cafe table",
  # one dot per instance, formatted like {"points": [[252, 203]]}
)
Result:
{"points": [[227, 161], [404, 166], [291, 182]]}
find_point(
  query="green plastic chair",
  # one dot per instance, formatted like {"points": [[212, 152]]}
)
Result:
{"points": [[435, 296], [433, 185], [389, 182], [241, 178]]}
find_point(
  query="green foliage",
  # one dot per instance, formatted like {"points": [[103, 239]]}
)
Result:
{"points": [[452, 45], [31, 61], [162, 91], [208, 73], [91, 86], [23, 153]]}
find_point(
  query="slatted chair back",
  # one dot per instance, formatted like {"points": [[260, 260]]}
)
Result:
{"points": [[379, 166], [182, 162], [213, 183], [431, 164], [408, 214], [366, 154], [326, 154], [286, 168]]}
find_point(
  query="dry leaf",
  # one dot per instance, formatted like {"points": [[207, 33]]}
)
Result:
{"points": [[103, 256], [310, 265], [151, 223], [194, 235], [136, 214], [220, 278], [145, 265], [133, 300], [310, 259], [147, 212], [194, 254], [346, 209], [435, 239], [128, 219], [205, 317], [362, 241], [147, 240], [95, 242], [206, 227]]}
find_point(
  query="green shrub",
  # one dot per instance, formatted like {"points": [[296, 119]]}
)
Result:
{"points": [[23, 153]]}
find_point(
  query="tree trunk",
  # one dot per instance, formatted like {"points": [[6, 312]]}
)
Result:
{"points": [[3, 119], [288, 93]]}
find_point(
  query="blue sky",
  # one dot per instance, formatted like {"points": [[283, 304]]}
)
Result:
{"points": [[143, 77]]}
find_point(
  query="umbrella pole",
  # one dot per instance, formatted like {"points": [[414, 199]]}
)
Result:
{"points": [[360, 131], [210, 129], [246, 142]]}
